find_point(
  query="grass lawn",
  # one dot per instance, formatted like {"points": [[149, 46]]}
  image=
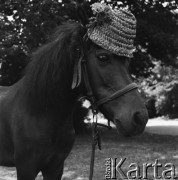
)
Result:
{"points": [[140, 149]]}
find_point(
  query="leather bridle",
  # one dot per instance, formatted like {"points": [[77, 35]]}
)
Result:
{"points": [[90, 95], [94, 106]]}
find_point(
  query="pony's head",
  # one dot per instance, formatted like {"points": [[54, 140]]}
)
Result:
{"points": [[117, 98], [108, 47]]}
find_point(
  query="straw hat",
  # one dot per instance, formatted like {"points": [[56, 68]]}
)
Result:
{"points": [[113, 29]]}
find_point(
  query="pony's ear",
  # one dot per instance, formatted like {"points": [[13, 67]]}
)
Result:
{"points": [[82, 15], [77, 74]]}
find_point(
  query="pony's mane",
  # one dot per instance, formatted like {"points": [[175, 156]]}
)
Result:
{"points": [[48, 76]]}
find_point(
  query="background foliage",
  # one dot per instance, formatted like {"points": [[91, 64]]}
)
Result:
{"points": [[161, 90], [26, 24]]}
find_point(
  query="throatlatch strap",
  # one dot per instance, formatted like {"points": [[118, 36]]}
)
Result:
{"points": [[117, 94]]}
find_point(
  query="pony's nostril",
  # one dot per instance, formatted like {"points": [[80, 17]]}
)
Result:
{"points": [[138, 119]]}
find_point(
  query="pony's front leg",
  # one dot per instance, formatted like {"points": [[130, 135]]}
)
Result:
{"points": [[53, 172], [26, 172], [27, 166]]}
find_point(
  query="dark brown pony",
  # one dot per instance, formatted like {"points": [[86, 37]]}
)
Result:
{"points": [[36, 128]]}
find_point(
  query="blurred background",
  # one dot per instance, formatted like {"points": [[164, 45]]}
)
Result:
{"points": [[26, 25]]}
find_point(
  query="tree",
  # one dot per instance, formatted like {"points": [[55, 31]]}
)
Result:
{"points": [[25, 25], [32, 22]]}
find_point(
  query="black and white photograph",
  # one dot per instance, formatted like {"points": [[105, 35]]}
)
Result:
{"points": [[88, 89]]}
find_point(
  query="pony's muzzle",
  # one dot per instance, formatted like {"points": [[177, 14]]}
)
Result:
{"points": [[140, 118], [134, 126]]}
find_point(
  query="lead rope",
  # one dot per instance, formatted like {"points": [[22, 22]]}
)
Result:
{"points": [[95, 141], [95, 134]]}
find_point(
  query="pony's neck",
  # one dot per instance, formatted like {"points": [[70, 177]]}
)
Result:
{"points": [[46, 85], [42, 101]]}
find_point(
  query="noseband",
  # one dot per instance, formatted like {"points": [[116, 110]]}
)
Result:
{"points": [[95, 104]]}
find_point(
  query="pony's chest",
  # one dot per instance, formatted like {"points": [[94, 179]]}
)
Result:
{"points": [[62, 137]]}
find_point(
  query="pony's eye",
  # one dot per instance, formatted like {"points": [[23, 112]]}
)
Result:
{"points": [[103, 58]]}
